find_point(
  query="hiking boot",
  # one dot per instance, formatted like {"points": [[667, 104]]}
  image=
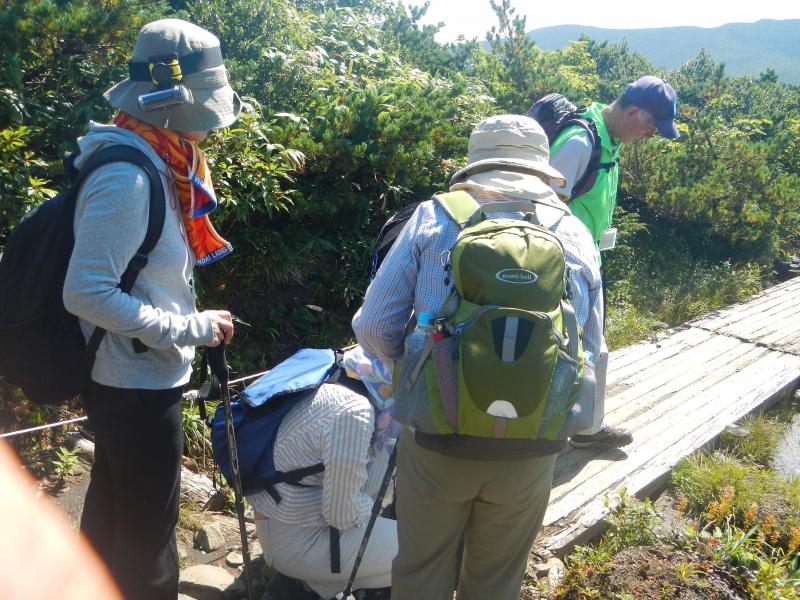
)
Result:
{"points": [[607, 437]]}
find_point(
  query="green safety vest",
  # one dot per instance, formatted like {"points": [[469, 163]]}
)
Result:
{"points": [[595, 208]]}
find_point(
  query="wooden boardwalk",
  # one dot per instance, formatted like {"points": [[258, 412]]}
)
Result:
{"points": [[676, 394]]}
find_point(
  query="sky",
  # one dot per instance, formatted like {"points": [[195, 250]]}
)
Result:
{"points": [[474, 18]]}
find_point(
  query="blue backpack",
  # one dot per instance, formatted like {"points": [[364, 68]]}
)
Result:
{"points": [[258, 412]]}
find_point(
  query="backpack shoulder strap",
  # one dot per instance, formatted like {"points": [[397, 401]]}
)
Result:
{"points": [[155, 221], [157, 210], [460, 206], [574, 124], [586, 181], [571, 322]]}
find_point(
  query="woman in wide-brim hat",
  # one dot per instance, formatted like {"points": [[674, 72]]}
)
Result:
{"points": [[177, 91]]}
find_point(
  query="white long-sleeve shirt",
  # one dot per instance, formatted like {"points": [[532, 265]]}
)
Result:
{"points": [[334, 427]]}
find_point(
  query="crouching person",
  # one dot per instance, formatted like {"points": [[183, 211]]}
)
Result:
{"points": [[298, 525]]}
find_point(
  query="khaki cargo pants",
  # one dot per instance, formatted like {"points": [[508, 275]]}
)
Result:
{"points": [[498, 505]]}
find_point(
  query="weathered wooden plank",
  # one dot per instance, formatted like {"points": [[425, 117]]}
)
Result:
{"points": [[671, 423], [790, 346], [570, 516], [679, 338], [703, 342], [737, 312], [668, 377], [774, 296], [656, 392], [656, 441], [649, 353], [671, 401], [653, 461], [677, 394], [785, 338], [746, 327], [702, 365], [656, 396], [742, 312], [784, 341], [783, 316], [768, 333]]}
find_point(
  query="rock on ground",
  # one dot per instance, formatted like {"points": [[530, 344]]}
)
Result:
{"points": [[207, 582], [209, 537], [234, 559]]}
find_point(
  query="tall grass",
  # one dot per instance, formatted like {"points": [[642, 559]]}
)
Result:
{"points": [[659, 273], [727, 490]]}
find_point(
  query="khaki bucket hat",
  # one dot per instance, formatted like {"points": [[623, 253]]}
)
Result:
{"points": [[510, 143], [199, 56]]}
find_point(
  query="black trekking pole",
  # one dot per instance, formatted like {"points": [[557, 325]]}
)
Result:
{"points": [[376, 509], [219, 368]]}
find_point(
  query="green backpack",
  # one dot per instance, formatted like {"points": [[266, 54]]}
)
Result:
{"points": [[501, 367]]}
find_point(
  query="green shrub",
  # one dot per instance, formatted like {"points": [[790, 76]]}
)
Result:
{"points": [[65, 462], [767, 573], [22, 177], [631, 523], [196, 438], [355, 111]]}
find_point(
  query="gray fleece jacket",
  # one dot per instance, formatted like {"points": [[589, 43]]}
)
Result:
{"points": [[110, 223]]}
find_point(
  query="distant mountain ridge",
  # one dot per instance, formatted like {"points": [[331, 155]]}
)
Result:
{"points": [[745, 48]]}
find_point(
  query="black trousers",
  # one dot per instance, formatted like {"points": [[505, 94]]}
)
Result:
{"points": [[131, 506]]}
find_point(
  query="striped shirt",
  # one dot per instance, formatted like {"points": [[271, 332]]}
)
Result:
{"points": [[412, 275], [334, 427]]}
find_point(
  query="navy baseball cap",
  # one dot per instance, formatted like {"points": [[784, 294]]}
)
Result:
{"points": [[657, 97]]}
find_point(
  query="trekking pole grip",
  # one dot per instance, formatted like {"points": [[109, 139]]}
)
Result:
{"points": [[218, 363]]}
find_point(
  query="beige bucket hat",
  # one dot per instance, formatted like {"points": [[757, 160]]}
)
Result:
{"points": [[198, 53], [510, 143]]}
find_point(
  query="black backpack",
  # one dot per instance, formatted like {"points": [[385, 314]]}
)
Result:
{"points": [[388, 234], [42, 349], [555, 113]]}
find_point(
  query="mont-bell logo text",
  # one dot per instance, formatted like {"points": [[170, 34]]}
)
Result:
{"points": [[516, 276]]}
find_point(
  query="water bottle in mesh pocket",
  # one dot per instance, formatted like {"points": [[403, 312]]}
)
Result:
{"points": [[445, 364], [560, 397], [581, 415]]}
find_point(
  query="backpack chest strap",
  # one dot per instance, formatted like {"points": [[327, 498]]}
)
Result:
{"points": [[293, 477]]}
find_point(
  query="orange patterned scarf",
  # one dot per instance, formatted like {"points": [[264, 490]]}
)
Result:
{"points": [[187, 162]]}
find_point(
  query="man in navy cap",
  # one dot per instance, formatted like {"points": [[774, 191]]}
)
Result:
{"points": [[647, 106]]}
